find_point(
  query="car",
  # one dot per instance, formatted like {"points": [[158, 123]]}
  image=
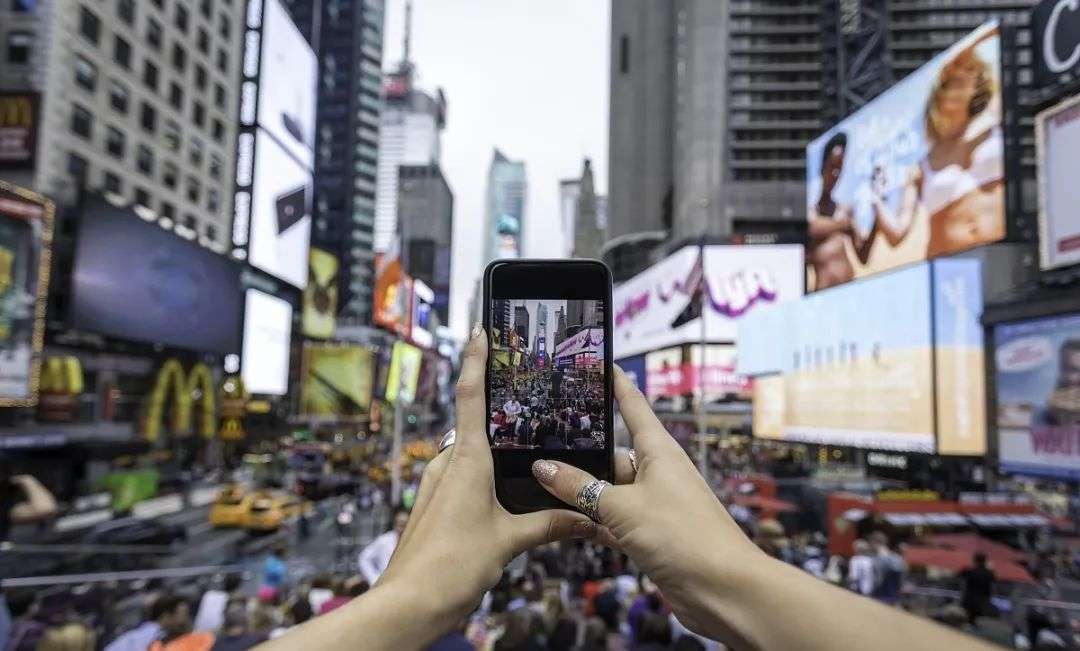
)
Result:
{"points": [[229, 507], [135, 531], [268, 510]]}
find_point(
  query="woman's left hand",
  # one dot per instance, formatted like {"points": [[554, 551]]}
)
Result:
{"points": [[459, 538]]}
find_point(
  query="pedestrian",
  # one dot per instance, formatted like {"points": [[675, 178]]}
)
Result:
{"points": [[167, 628], [274, 573], [211, 613], [889, 569], [236, 634], [861, 576], [978, 589], [375, 558]]}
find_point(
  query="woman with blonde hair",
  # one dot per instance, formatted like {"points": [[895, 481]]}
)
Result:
{"points": [[69, 637]]}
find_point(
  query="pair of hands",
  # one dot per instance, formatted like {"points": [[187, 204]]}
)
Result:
{"points": [[664, 516]]}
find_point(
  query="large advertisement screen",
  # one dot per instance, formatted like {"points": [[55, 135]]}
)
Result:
{"points": [[1057, 133], [404, 373], [917, 173], [319, 316], [662, 305], [856, 363], [135, 280], [264, 366], [1038, 396], [25, 241], [280, 213], [711, 372], [288, 70], [337, 381]]}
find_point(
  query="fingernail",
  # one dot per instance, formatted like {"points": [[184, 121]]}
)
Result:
{"points": [[584, 529], [477, 330], [545, 471]]}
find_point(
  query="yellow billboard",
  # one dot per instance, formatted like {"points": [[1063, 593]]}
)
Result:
{"points": [[337, 380], [404, 373], [320, 295]]}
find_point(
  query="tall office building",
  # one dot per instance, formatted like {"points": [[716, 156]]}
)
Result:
{"points": [[138, 99], [425, 209], [347, 36], [504, 218], [540, 342], [713, 103], [521, 324], [569, 190], [588, 228]]}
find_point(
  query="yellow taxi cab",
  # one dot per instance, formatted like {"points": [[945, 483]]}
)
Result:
{"points": [[267, 511], [229, 507]]}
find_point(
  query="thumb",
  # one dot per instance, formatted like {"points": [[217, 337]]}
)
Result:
{"points": [[531, 530]]}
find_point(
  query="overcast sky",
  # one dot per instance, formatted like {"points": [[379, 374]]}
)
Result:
{"points": [[528, 77]]}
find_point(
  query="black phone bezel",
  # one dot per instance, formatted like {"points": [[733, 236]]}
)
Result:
{"points": [[515, 487]]}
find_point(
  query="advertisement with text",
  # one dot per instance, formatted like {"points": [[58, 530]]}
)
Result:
{"points": [[1038, 395], [319, 317], [1057, 133], [917, 173]]}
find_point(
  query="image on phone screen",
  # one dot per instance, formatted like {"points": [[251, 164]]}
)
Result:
{"points": [[547, 382]]}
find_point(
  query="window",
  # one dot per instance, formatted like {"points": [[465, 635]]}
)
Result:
{"points": [[126, 10], [122, 52], [222, 60], [179, 57], [176, 96], [153, 33], [113, 183], [204, 8], [77, 167], [148, 118], [191, 222], [219, 96], [150, 75], [18, 47], [89, 25], [211, 231], [142, 197], [198, 114], [172, 135], [158, 3], [144, 160], [202, 41], [22, 6], [167, 210], [219, 130], [194, 189], [118, 96], [85, 73], [82, 121], [213, 200], [200, 77], [115, 142], [624, 53], [170, 175], [180, 18], [195, 151], [224, 25], [215, 166]]}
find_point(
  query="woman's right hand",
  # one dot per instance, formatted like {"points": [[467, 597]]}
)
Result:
{"points": [[664, 516]]}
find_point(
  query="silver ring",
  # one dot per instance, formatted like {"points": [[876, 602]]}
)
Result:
{"points": [[633, 459], [448, 439], [588, 498]]}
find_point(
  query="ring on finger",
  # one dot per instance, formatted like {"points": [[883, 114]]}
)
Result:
{"points": [[633, 459], [448, 439], [588, 498]]}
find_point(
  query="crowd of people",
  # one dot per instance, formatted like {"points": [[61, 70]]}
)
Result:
{"points": [[548, 407]]}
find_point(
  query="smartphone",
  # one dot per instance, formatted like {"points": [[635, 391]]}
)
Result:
{"points": [[549, 383]]}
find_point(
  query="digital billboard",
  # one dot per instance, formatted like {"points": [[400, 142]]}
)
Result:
{"points": [[19, 119], [319, 315], [869, 364], [1057, 135], [264, 365], [1055, 39], [713, 374], [1037, 366], [404, 373], [662, 305], [26, 222], [134, 280], [288, 70], [917, 173], [280, 213], [392, 295], [337, 380]]}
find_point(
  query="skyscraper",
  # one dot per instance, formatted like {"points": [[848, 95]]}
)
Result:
{"points": [[138, 99], [425, 210], [569, 190], [505, 208], [521, 324], [713, 103], [588, 231], [540, 341], [347, 36]]}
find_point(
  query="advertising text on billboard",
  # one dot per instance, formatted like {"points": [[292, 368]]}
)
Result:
{"points": [[1057, 133]]}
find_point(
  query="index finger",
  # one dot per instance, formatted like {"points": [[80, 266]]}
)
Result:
{"points": [[649, 436], [469, 395]]}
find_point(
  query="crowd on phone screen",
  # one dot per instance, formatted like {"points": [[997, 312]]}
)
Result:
{"points": [[550, 408]]}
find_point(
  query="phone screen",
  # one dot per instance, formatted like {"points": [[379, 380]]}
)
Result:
{"points": [[549, 373]]}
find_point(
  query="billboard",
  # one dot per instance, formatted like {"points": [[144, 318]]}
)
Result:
{"points": [[917, 173], [662, 305], [280, 213], [26, 222], [404, 373], [393, 294], [1057, 136], [135, 280], [264, 365], [713, 373], [1037, 366], [337, 380], [1055, 36], [288, 70], [320, 300], [19, 116], [870, 364]]}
